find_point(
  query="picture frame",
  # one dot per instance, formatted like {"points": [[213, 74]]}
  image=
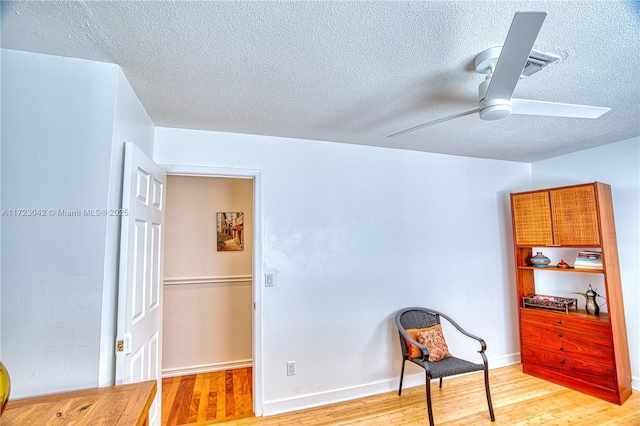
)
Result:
{"points": [[230, 231]]}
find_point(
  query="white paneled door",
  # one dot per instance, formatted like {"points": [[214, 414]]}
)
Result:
{"points": [[139, 341]]}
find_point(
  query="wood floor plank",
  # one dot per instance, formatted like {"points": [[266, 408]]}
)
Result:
{"points": [[182, 403], [242, 398], [214, 390], [229, 390], [195, 399], [221, 400], [170, 388], [203, 403]]}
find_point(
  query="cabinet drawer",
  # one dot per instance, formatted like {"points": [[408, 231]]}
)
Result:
{"points": [[568, 366], [586, 324], [588, 347]]}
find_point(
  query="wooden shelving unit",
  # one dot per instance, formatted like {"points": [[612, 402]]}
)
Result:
{"points": [[584, 352]]}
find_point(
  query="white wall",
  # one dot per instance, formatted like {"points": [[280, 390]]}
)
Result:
{"points": [[57, 119], [619, 166], [354, 233], [60, 117], [207, 294]]}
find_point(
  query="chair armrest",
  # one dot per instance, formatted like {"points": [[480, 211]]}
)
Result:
{"points": [[483, 345]]}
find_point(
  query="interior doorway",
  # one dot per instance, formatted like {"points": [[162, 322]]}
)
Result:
{"points": [[253, 279], [207, 274]]}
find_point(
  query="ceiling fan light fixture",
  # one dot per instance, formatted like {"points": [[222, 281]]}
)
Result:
{"points": [[495, 112]]}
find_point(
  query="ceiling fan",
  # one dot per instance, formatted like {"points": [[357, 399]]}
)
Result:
{"points": [[504, 66]]}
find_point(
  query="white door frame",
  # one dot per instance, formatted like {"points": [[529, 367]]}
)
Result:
{"points": [[256, 175]]}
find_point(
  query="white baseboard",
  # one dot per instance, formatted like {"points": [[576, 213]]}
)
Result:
{"points": [[504, 361], [302, 402], [206, 368]]}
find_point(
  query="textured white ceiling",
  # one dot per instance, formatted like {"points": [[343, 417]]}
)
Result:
{"points": [[352, 72]]}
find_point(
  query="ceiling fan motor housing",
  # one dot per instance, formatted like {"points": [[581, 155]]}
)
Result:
{"points": [[492, 109]]}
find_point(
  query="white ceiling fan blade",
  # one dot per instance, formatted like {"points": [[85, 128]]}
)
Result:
{"points": [[553, 109], [439, 120], [515, 52]]}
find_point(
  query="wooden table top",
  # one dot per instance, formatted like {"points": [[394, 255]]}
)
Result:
{"points": [[113, 405]]}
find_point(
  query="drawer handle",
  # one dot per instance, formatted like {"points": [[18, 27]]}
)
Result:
{"points": [[562, 348], [563, 362], [559, 322], [561, 335]]}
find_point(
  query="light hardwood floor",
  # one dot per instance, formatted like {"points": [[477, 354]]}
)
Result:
{"points": [[206, 398], [518, 399]]}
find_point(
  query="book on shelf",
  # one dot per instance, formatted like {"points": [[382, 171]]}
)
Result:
{"points": [[588, 265], [587, 254], [588, 261]]}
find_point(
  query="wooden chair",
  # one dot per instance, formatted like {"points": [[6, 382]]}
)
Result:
{"points": [[421, 318]]}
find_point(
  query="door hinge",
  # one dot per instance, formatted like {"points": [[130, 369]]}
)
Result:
{"points": [[120, 346]]}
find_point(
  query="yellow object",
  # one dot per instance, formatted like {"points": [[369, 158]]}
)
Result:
{"points": [[5, 387]]}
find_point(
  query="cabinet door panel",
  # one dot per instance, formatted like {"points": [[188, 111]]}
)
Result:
{"points": [[532, 218], [575, 220]]}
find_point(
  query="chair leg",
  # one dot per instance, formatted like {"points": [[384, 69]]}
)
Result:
{"points": [[429, 410], [486, 388], [401, 377]]}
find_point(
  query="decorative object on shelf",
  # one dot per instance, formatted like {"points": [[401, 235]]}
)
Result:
{"points": [[563, 265], [589, 260], [591, 305], [5, 387], [550, 302], [540, 260]]}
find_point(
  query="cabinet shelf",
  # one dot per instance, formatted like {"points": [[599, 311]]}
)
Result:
{"points": [[571, 269]]}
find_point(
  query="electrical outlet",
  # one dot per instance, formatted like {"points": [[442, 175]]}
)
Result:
{"points": [[291, 368]]}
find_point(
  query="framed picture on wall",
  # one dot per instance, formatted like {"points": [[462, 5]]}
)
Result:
{"points": [[229, 227]]}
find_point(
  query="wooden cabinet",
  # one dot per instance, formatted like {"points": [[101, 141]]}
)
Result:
{"points": [[583, 352]]}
